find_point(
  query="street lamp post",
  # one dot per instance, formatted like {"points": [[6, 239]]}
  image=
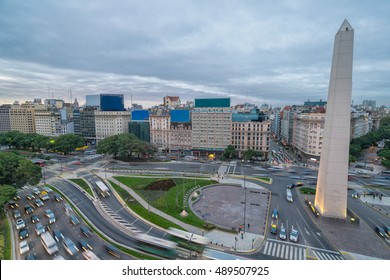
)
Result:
{"points": [[244, 205], [235, 243]]}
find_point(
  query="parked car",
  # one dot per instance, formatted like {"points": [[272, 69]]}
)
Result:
{"points": [[34, 219], [39, 202], [23, 234], [294, 235], [50, 215], [31, 256], [23, 247], [16, 197], [16, 214], [30, 196], [13, 204], [35, 191], [39, 229], [70, 247], [20, 224], [28, 209]]}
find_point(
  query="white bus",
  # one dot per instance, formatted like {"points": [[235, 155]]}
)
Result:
{"points": [[49, 243], [187, 240], [102, 188], [289, 195]]}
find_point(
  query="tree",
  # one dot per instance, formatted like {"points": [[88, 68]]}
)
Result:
{"points": [[17, 171], [230, 152], [251, 154], [6, 193], [67, 143]]}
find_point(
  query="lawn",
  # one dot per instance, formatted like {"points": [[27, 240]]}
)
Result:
{"points": [[307, 191], [83, 184], [169, 201], [5, 238]]}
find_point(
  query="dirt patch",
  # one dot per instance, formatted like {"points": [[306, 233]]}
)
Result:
{"points": [[162, 185]]}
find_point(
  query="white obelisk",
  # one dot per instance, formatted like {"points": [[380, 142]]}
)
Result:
{"points": [[331, 195]]}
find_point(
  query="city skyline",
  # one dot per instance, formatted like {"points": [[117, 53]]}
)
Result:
{"points": [[256, 52]]}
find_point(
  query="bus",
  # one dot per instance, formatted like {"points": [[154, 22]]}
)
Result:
{"points": [[210, 254], [49, 243], [156, 246], [187, 240], [102, 188], [289, 195]]}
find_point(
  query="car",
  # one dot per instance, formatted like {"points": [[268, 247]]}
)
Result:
{"points": [[58, 197], [23, 247], [23, 234], [16, 197], [30, 196], [28, 209], [299, 184], [39, 202], [70, 247], [31, 257], [86, 231], [45, 197], [355, 195], [16, 214], [290, 186], [39, 229], [58, 235], [283, 233], [85, 245], [50, 215], [47, 189], [13, 204], [34, 219], [381, 232], [274, 228], [275, 213], [387, 229], [20, 224], [112, 250], [35, 191], [294, 235], [74, 220]]}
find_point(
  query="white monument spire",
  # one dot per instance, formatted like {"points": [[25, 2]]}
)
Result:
{"points": [[331, 194]]}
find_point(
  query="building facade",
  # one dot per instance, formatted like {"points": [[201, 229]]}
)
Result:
{"points": [[22, 117], [160, 123], [211, 124], [5, 122], [109, 123]]}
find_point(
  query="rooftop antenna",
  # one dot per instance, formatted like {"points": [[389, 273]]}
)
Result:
{"points": [[71, 96]]}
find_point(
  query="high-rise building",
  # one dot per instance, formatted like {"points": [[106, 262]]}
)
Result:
{"points": [[211, 121], [84, 123], [331, 192], [139, 125], [371, 104], [48, 121], [5, 122]]}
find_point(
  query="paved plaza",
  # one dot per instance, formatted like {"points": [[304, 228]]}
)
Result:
{"points": [[231, 206]]}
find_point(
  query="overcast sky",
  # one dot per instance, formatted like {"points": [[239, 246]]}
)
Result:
{"points": [[275, 52]]}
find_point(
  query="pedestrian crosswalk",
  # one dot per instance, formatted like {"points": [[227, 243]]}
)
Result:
{"points": [[289, 251], [119, 219]]}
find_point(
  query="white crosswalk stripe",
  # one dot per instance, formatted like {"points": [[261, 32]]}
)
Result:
{"points": [[284, 251], [327, 255]]}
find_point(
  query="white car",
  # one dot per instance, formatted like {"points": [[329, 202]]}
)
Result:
{"points": [[23, 247], [294, 235], [283, 233], [20, 224]]}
